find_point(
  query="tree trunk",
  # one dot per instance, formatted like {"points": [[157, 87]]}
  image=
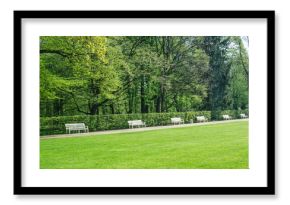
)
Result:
{"points": [[163, 100], [158, 104], [47, 108], [142, 94], [94, 109], [112, 109], [176, 103], [58, 107]]}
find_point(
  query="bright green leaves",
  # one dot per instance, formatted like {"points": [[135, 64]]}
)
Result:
{"points": [[142, 74], [79, 66]]}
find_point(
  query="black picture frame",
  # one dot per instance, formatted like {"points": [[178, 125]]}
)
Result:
{"points": [[268, 190]]}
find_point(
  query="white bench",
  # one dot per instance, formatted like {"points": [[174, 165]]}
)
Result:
{"points": [[76, 127], [243, 115], [176, 120], [227, 117], [201, 119], [136, 123]]}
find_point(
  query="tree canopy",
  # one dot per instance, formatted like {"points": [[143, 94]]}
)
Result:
{"points": [[96, 75]]}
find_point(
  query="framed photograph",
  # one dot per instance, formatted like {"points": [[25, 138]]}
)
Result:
{"points": [[144, 102]]}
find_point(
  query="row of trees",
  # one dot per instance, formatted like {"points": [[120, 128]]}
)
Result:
{"points": [[142, 74]]}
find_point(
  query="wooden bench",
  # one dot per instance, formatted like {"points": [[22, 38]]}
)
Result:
{"points": [[137, 123], [243, 115], [201, 119], [76, 127], [176, 120], [227, 117]]}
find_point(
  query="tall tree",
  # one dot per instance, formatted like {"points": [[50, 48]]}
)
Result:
{"points": [[88, 77], [216, 48]]}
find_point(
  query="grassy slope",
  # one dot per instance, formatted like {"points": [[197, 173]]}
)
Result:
{"points": [[212, 146]]}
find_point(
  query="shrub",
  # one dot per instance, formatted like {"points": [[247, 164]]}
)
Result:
{"points": [[56, 125]]}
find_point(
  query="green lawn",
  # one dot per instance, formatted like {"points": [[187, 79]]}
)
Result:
{"points": [[219, 146]]}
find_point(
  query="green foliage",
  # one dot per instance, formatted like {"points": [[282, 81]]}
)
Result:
{"points": [[237, 88], [81, 68], [217, 48], [101, 75]]}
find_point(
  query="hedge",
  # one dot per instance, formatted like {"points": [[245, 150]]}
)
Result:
{"points": [[56, 125]]}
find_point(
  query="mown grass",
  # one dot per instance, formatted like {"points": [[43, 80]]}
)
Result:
{"points": [[218, 146]]}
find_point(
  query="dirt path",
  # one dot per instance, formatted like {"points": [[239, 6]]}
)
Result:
{"points": [[139, 129]]}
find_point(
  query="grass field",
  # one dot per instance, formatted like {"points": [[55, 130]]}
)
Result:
{"points": [[217, 146]]}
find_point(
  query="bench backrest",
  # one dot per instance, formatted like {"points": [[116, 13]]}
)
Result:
{"points": [[243, 115], [135, 122], [176, 119], [226, 116], [200, 118], [75, 126]]}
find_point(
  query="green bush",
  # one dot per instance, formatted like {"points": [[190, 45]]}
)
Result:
{"points": [[56, 125]]}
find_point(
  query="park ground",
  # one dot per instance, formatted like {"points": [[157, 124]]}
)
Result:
{"points": [[209, 146]]}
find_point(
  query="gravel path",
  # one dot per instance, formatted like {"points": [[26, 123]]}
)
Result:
{"points": [[138, 129]]}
